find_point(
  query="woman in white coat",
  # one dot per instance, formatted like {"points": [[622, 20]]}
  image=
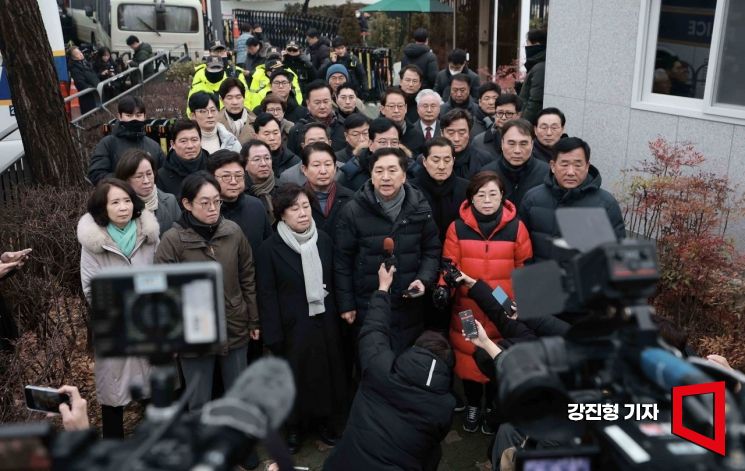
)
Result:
{"points": [[116, 232]]}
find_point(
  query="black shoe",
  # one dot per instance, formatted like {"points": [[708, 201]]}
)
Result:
{"points": [[293, 441], [328, 435]]}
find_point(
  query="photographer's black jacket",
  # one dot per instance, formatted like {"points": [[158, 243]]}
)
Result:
{"points": [[519, 180], [403, 407]]}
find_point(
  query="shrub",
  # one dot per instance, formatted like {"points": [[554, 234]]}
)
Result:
{"points": [[686, 210]]}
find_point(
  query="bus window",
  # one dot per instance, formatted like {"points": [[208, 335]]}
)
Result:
{"points": [[131, 17]]}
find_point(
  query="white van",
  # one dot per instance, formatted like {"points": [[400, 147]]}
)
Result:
{"points": [[163, 24]]}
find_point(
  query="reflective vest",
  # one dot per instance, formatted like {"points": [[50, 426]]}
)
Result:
{"points": [[260, 86], [200, 84]]}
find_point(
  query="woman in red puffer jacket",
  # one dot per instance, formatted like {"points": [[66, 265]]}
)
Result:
{"points": [[486, 242]]}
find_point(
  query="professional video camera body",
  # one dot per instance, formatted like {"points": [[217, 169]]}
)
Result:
{"points": [[612, 358], [157, 312]]}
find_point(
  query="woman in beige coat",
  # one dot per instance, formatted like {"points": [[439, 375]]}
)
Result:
{"points": [[116, 232]]}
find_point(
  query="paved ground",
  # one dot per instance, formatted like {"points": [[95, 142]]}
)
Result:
{"points": [[461, 450]]}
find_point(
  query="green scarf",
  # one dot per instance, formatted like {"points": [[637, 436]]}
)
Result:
{"points": [[124, 238]]}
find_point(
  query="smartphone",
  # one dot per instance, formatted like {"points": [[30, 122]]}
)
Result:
{"points": [[43, 399], [503, 299], [411, 293], [468, 323]]}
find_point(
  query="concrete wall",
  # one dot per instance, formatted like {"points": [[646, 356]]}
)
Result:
{"points": [[589, 76]]}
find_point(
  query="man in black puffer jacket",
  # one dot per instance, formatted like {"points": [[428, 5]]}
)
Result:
{"points": [[387, 206], [129, 133], [419, 54], [517, 167], [403, 407], [573, 183]]}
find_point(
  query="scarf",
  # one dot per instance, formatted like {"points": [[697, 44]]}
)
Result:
{"points": [[305, 245], [124, 238], [487, 224], [210, 141], [325, 199], [205, 231], [151, 202], [392, 208], [444, 208], [183, 167], [327, 120], [236, 123], [263, 191]]}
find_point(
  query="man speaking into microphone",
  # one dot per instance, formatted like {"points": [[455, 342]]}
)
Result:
{"points": [[387, 221]]}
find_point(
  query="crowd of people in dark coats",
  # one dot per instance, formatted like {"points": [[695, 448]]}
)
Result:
{"points": [[332, 230]]}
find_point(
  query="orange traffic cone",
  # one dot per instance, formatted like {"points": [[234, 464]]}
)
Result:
{"points": [[236, 30], [74, 103]]}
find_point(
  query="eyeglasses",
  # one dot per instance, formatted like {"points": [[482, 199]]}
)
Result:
{"points": [[553, 128], [357, 134], [274, 110], [505, 114], [396, 106], [141, 176], [208, 204], [207, 111], [490, 196], [229, 177], [281, 83], [259, 159], [387, 142]]}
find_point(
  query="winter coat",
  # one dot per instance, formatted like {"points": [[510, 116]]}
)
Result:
{"points": [[168, 210], [356, 171], [200, 83], [231, 250], [301, 65], [144, 52], [319, 52], [489, 142], [295, 112], [311, 344], [249, 213], [519, 180], [423, 57], [328, 223], [469, 162], [444, 198], [471, 106], [247, 131], [85, 77], [357, 75], [403, 408], [283, 159], [336, 130], [360, 229], [241, 48], [491, 258], [413, 138], [253, 61], [107, 152], [259, 85], [538, 209], [444, 77], [115, 375], [170, 175], [542, 152], [227, 139], [532, 89], [481, 121]]}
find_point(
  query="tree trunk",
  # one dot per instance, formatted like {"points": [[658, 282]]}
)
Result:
{"points": [[305, 7], [34, 86]]}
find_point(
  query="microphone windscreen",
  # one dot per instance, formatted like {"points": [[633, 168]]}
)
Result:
{"points": [[388, 245]]}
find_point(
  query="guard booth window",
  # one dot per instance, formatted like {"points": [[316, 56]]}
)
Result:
{"points": [[730, 77], [172, 19]]}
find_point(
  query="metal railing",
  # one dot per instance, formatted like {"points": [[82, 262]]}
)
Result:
{"points": [[15, 171]]}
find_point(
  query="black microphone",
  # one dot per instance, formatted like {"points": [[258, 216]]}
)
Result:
{"points": [[258, 402], [390, 259]]}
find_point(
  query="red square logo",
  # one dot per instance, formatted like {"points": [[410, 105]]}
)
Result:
{"points": [[716, 444]]}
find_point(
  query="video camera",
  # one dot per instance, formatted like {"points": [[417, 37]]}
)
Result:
{"points": [[157, 312], [612, 356]]}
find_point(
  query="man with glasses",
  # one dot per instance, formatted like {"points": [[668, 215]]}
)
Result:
{"points": [[419, 53], [456, 128], [228, 168], [517, 168], [281, 89], [383, 133], [205, 107], [460, 96], [320, 109], [549, 128], [356, 132], [276, 107], [507, 106], [185, 157], [410, 84], [274, 77], [393, 106], [267, 130], [483, 117]]}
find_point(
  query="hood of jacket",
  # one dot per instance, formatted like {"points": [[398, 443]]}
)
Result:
{"points": [[415, 50], [422, 369], [94, 237], [509, 212], [537, 55], [227, 139], [590, 185]]}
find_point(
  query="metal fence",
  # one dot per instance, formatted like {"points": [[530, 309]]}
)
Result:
{"points": [[14, 171], [281, 28]]}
